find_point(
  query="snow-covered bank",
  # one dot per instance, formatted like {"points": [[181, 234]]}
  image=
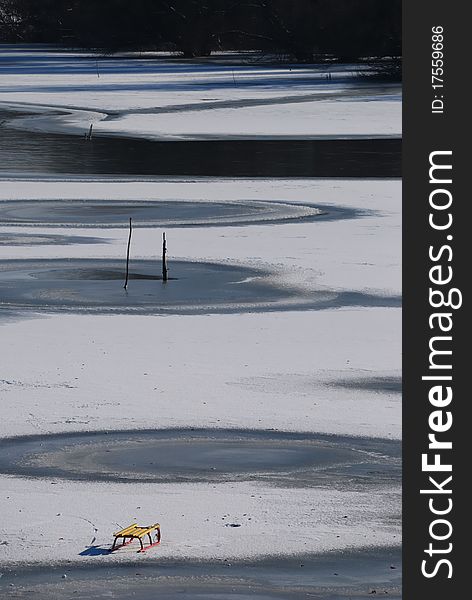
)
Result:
{"points": [[166, 99]]}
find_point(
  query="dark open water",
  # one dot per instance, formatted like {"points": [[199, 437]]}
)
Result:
{"points": [[27, 152]]}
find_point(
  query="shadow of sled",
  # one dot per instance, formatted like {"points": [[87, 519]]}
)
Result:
{"points": [[94, 551]]}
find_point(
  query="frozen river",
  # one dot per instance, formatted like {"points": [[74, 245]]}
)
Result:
{"points": [[252, 403]]}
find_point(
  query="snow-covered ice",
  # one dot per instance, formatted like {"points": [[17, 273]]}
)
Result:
{"points": [[277, 370], [361, 254], [326, 371], [56, 520]]}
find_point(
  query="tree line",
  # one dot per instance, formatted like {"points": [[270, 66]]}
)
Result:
{"points": [[302, 29]]}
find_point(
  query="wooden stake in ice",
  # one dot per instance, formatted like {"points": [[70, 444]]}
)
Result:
{"points": [[164, 259], [127, 253]]}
